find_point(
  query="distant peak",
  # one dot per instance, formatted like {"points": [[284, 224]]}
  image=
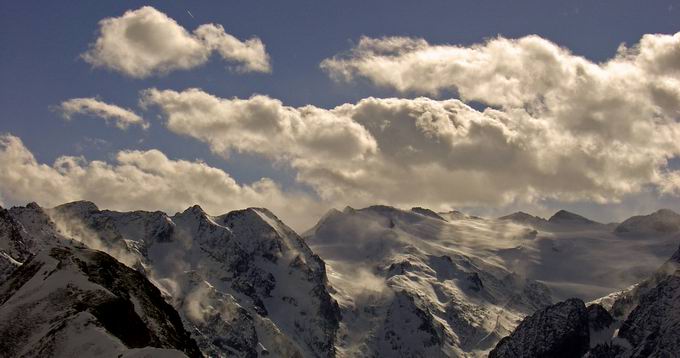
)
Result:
{"points": [[521, 216], [195, 209], [666, 212], [564, 216], [33, 205], [82, 206]]}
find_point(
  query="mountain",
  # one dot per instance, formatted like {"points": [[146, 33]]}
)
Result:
{"points": [[392, 282], [244, 283], [649, 329], [406, 290], [663, 221], [69, 300]]}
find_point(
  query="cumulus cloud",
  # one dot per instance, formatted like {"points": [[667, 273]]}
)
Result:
{"points": [[146, 42], [147, 180], [569, 127], [262, 125], [429, 152], [122, 117]]}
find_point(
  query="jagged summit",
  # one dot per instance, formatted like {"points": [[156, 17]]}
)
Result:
{"points": [[662, 221], [195, 210], [567, 217]]}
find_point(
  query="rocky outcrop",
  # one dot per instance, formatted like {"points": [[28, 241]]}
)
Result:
{"points": [[560, 330], [653, 327]]}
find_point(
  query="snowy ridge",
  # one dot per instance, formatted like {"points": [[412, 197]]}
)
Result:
{"points": [[244, 283]]}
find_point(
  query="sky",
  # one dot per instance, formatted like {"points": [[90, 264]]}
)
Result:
{"points": [[487, 107]]}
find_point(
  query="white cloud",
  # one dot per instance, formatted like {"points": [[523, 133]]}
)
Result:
{"points": [[428, 152], [262, 125], [94, 107], [146, 42], [146, 180]]}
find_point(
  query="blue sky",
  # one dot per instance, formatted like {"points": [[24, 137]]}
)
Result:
{"points": [[41, 42]]}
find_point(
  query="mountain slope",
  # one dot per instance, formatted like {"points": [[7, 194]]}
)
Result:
{"points": [[68, 300]]}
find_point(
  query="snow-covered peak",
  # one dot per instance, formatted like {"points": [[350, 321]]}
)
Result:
{"points": [[662, 221]]}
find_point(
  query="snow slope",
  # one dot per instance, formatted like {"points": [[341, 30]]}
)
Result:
{"points": [[412, 284], [67, 300]]}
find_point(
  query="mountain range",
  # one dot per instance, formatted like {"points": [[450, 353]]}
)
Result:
{"points": [[372, 282]]}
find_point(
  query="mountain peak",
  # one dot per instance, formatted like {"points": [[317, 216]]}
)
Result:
{"points": [[521, 216], [564, 216], [33, 205], [195, 210]]}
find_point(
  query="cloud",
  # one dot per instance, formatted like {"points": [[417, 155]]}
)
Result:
{"points": [[122, 117], [262, 125], [146, 180], [529, 71], [437, 153], [146, 42]]}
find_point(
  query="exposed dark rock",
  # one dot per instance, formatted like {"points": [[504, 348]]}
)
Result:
{"points": [[560, 330], [598, 317]]}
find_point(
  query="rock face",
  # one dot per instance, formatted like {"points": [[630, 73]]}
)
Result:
{"points": [[598, 318], [244, 283], [662, 221], [69, 300], [560, 330], [14, 249], [653, 327]]}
